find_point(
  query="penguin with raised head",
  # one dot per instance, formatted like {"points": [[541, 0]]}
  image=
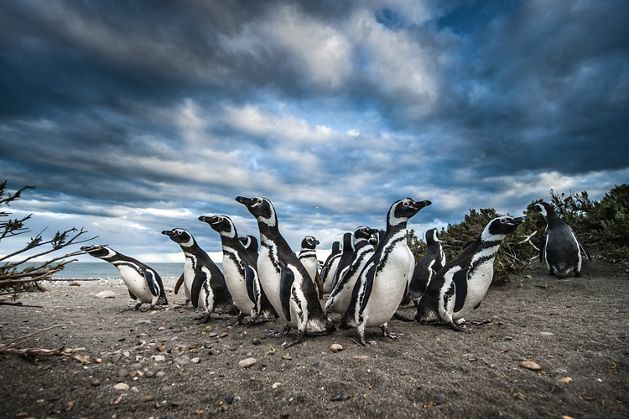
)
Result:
{"points": [[202, 279], [308, 258], [461, 284], [250, 244], [426, 267], [143, 282], [561, 250], [341, 295], [329, 267], [283, 277], [240, 271], [384, 279]]}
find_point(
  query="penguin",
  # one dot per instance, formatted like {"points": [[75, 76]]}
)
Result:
{"points": [[284, 278], [341, 295], [329, 267], [203, 280], [462, 283], [250, 244], [561, 250], [384, 279], [347, 255], [142, 281], [426, 267], [240, 271], [308, 258]]}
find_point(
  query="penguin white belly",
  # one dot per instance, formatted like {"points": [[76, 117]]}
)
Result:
{"points": [[388, 288], [328, 281], [136, 283], [206, 297], [311, 265], [270, 280], [477, 285], [188, 277], [237, 286]]}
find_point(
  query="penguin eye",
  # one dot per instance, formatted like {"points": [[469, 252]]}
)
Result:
{"points": [[405, 203]]}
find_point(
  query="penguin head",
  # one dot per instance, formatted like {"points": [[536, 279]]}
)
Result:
{"points": [[221, 224], [544, 208], [348, 244], [99, 251], [309, 242], [336, 247], [374, 240], [249, 242], [499, 227], [432, 236], [261, 208], [364, 233], [180, 236], [402, 210]]}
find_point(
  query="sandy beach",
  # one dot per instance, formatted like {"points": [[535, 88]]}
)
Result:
{"points": [[162, 363]]}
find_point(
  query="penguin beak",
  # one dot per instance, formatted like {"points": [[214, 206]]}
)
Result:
{"points": [[421, 204], [89, 248], [209, 219], [167, 233], [318, 242], [245, 201]]}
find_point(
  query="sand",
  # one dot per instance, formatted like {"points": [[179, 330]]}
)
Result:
{"points": [[162, 364]]}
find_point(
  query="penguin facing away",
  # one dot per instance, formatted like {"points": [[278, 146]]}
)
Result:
{"points": [[240, 271], [426, 267], [561, 251], [329, 267], [341, 295], [142, 281], [283, 277], [308, 258], [384, 279], [202, 278], [461, 284], [347, 255]]}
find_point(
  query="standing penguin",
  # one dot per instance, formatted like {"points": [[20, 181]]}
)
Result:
{"points": [[308, 258], [426, 267], [329, 267], [347, 255], [240, 271], [283, 277], [462, 283], [561, 250], [341, 295], [250, 244], [384, 279], [143, 282], [202, 279]]}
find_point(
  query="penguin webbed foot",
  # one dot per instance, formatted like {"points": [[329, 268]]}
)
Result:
{"points": [[299, 338], [238, 320], [281, 333], [387, 333], [203, 319], [457, 328], [137, 306]]}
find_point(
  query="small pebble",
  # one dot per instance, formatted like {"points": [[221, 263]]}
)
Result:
{"points": [[195, 360], [335, 347], [247, 362], [256, 341], [159, 358], [122, 373], [287, 356], [212, 334], [530, 365], [160, 374], [223, 335], [565, 380], [547, 333], [135, 366], [95, 382], [121, 386], [229, 399], [276, 385], [115, 358], [149, 374], [440, 398]]}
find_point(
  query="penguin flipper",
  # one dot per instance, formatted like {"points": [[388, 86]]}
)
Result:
{"points": [[460, 288], [150, 279], [178, 284], [286, 285], [250, 278], [133, 297], [584, 250], [370, 273], [195, 290]]}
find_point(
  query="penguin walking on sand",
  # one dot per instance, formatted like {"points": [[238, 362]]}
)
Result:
{"points": [[341, 295], [329, 267], [143, 282], [562, 250], [308, 258], [240, 271], [384, 279], [426, 267], [283, 277], [461, 284], [202, 279]]}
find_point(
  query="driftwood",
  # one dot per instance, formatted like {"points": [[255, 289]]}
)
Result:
{"points": [[9, 348]]}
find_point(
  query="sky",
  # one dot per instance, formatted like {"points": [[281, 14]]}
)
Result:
{"points": [[135, 117]]}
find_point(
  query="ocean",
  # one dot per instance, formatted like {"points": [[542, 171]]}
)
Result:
{"points": [[105, 271]]}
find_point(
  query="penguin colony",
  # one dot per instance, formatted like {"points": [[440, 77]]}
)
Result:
{"points": [[367, 276]]}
